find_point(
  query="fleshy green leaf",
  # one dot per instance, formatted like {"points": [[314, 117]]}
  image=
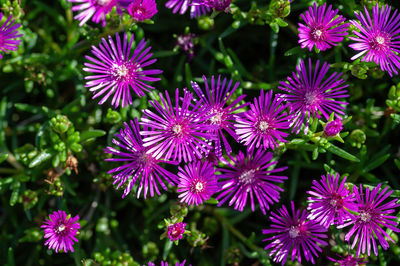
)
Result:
{"points": [[91, 134], [40, 158], [342, 153]]}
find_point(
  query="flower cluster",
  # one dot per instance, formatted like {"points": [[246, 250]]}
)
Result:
{"points": [[96, 10]]}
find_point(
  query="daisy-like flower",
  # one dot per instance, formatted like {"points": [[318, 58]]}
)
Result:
{"points": [[139, 164], [178, 132], [378, 38], [95, 9], [116, 71], [309, 94], [249, 176], [373, 216], [330, 201], [182, 6], [348, 260], [323, 28], [8, 33], [218, 5], [262, 124], [294, 234], [60, 231], [141, 10], [197, 182], [176, 231], [186, 43], [215, 98]]}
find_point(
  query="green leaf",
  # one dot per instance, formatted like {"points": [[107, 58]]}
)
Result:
{"points": [[275, 27], [15, 192], [293, 51], [91, 134], [3, 157], [40, 158], [29, 108], [374, 164], [397, 162], [212, 201], [342, 153], [10, 257]]}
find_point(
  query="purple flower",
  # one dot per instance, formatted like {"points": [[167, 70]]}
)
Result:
{"points": [[294, 234], [139, 164], [8, 32], [309, 95], [262, 124], [378, 38], [322, 28], [176, 231], [349, 260], [333, 128], [61, 231], [250, 175], [218, 5], [372, 216], [95, 9], [197, 182], [141, 10], [186, 43], [330, 201], [215, 98], [117, 71], [196, 10], [164, 263], [176, 132]]}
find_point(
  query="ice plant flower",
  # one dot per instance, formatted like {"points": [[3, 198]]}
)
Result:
{"points": [[250, 176], [60, 231], [95, 9], [378, 38], [176, 231], [292, 233], [323, 28], [138, 164], [178, 132], [141, 10], [218, 5], [186, 43], [348, 260], [182, 6], [373, 215], [262, 124], [8, 33], [330, 201], [215, 97], [116, 70], [309, 94], [197, 182], [333, 128]]}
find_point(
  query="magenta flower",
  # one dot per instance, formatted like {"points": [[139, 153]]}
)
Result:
{"points": [[186, 43], [294, 234], [139, 164], [176, 231], [197, 182], [349, 260], [196, 10], [61, 231], [215, 98], [308, 95], [378, 38], [141, 10], [322, 28], [117, 71], [333, 128], [262, 124], [218, 5], [249, 176], [8, 32], [373, 215], [178, 132], [329, 201], [95, 9]]}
